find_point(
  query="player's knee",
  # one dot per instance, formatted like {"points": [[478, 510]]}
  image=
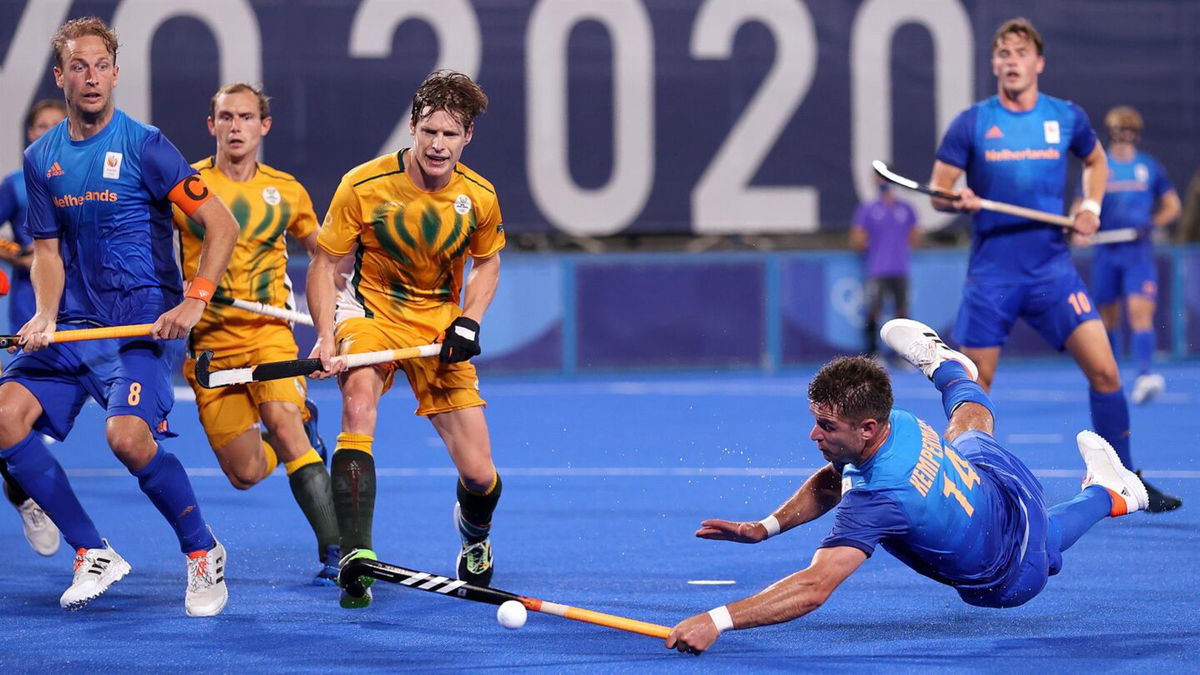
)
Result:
{"points": [[132, 449], [359, 414], [242, 481], [1105, 379]]}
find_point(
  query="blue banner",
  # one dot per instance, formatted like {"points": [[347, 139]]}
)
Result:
{"points": [[681, 116]]}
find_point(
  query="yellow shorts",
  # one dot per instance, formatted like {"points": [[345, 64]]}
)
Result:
{"points": [[439, 387], [228, 412]]}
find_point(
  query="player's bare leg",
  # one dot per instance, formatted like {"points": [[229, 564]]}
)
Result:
{"points": [[309, 480], [353, 470], [162, 477], [1090, 347], [465, 434], [986, 359]]}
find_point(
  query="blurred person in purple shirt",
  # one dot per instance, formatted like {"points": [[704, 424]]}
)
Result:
{"points": [[886, 230]]}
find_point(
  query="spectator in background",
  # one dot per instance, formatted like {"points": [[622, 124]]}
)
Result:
{"points": [[1189, 225], [886, 229]]}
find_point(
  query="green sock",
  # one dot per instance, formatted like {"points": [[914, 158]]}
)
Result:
{"points": [[353, 478], [311, 488]]}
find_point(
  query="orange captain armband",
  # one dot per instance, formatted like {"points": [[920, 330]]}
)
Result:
{"points": [[201, 289], [190, 194]]}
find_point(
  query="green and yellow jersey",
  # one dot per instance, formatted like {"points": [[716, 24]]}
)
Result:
{"points": [[409, 246], [266, 206]]}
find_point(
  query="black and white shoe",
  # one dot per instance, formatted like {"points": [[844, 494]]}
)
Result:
{"points": [[96, 569], [921, 346]]}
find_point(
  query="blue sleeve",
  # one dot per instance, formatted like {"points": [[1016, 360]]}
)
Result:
{"points": [[1083, 137], [163, 167], [39, 212], [959, 140], [8, 199], [1160, 184], [865, 518]]}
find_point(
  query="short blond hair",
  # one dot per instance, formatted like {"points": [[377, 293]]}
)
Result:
{"points": [[1022, 27], [264, 101], [1123, 116], [77, 28]]}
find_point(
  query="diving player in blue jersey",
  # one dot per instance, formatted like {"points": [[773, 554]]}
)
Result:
{"points": [[958, 508], [1139, 196], [1013, 148], [100, 189], [40, 531]]}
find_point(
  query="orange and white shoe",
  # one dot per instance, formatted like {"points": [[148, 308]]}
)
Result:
{"points": [[95, 570], [921, 346], [206, 590], [1104, 468]]}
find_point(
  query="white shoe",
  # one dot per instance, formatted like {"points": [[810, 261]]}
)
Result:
{"points": [[40, 531], [1147, 387], [1104, 468], [206, 589], [95, 570], [920, 345]]}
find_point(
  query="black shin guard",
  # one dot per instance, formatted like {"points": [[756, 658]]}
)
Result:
{"points": [[353, 479], [477, 509], [311, 488]]}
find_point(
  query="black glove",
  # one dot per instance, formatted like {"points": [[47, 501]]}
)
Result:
{"points": [[461, 341]]}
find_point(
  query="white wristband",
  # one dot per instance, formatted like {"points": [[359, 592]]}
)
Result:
{"points": [[1090, 205], [720, 617], [772, 525]]}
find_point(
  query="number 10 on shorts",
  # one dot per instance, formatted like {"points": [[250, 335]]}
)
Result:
{"points": [[1080, 302]]}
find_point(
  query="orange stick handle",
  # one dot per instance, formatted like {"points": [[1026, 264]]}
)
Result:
{"points": [[132, 330], [598, 618]]}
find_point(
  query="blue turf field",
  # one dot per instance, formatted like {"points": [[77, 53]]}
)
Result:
{"points": [[606, 480]]}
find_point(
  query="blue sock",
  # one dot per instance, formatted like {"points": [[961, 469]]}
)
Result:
{"points": [[1143, 350], [1114, 338], [957, 387], [1073, 518], [166, 484], [1110, 419], [44, 480]]}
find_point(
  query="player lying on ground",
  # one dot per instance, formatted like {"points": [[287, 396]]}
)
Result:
{"points": [[959, 509], [268, 204]]}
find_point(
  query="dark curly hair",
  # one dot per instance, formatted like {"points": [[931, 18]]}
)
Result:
{"points": [[452, 92], [854, 388]]}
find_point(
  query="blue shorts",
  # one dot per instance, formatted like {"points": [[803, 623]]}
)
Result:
{"points": [[1121, 270], [1023, 489], [1054, 308], [132, 376]]}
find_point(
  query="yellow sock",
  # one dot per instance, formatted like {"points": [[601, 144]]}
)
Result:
{"points": [[360, 442], [310, 457], [272, 458]]}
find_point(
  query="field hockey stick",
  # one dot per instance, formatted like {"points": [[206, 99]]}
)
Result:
{"points": [[278, 370], [364, 567], [265, 310], [132, 330], [1110, 237]]}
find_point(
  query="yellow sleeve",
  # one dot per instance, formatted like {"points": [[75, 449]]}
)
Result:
{"points": [[343, 222], [488, 238], [304, 222]]}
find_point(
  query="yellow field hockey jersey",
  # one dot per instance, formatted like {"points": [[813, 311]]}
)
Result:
{"points": [[266, 206], [409, 246]]}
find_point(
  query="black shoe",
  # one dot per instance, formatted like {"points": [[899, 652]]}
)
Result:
{"points": [[475, 563], [1160, 502]]}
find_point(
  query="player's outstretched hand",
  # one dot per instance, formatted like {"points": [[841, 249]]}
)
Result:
{"points": [[693, 635], [461, 341], [726, 530], [175, 323], [330, 366], [35, 334]]}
